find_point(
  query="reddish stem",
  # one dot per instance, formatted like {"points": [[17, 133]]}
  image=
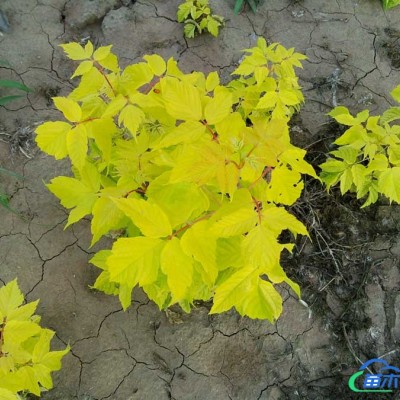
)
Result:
{"points": [[258, 205], [214, 134], [101, 70], [3, 326], [189, 224]]}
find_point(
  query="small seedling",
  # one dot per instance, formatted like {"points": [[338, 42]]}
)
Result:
{"points": [[367, 160], [26, 362], [197, 16]]}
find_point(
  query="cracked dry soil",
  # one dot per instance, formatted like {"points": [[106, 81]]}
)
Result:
{"points": [[348, 272]]}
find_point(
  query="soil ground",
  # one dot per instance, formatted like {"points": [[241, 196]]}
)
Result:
{"points": [[349, 272]]}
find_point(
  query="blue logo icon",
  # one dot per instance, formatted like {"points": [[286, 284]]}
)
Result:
{"points": [[386, 379]]}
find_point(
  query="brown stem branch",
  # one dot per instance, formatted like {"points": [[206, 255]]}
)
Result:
{"points": [[101, 70], [189, 224]]}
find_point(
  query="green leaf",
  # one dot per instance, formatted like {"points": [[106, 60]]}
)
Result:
{"points": [[13, 84], [238, 6], [7, 99]]}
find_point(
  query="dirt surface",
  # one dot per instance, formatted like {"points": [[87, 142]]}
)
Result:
{"points": [[348, 272]]}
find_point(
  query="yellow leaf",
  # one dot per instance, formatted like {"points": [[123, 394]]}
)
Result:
{"points": [[232, 292], [285, 186], [277, 219], [115, 106], [346, 181], [7, 395], [89, 49], [262, 302], [16, 332], [295, 158], [178, 267], [75, 51], [261, 249], [70, 108], [84, 67], [135, 76], [135, 260], [131, 116], [91, 83], [212, 81], [23, 312], [100, 225], [182, 100], [156, 63], [77, 146], [198, 242], [228, 178], [186, 132], [389, 184], [102, 52], [52, 138], [10, 298], [289, 97], [149, 218], [267, 101], [218, 108], [110, 63]]}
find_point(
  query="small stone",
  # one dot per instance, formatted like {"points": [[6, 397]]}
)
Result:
{"points": [[79, 14]]}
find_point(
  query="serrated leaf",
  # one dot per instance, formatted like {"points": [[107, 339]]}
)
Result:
{"points": [[83, 68], [52, 138], [389, 184], [75, 51], [260, 248], [70, 108], [395, 93], [156, 63], [213, 26], [277, 219], [346, 181], [101, 53], [262, 302], [182, 101], [285, 186], [132, 117], [10, 298], [212, 81], [16, 332], [77, 145], [268, 100], [199, 243], [149, 218], [100, 224], [178, 267], [135, 261], [218, 108]]}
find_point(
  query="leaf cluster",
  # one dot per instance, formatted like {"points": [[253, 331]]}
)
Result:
{"points": [[26, 361], [198, 18], [390, 3], [367, 160], [193, 176]]}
